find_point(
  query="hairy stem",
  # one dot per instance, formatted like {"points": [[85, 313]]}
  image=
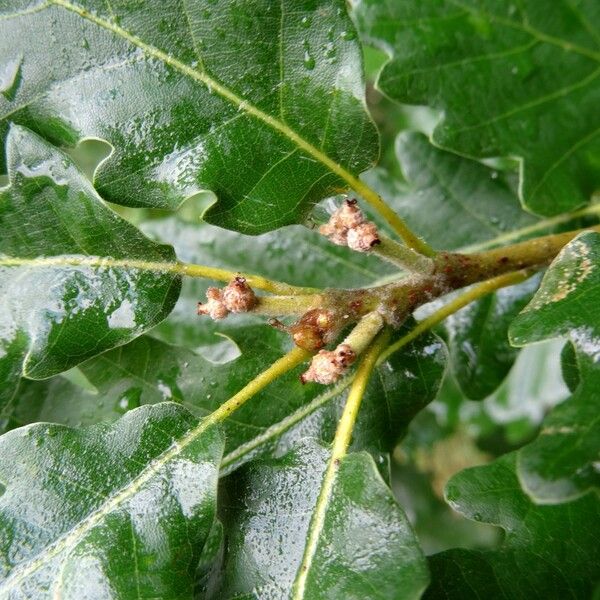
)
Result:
{"points": [[402, 256], [280, 367], [364, 332], [286, 305], [476, 292], [341, 442]]}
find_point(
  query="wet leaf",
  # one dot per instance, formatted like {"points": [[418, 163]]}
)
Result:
{"points": [[148, 371], [260, 102], [535, 68], [69, 288], [268, 516], [107, 511], [481, 355], [548, 551], [561, 463], [479, 202]]}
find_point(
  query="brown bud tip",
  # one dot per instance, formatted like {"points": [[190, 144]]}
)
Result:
{"points": [[309, 338], [363, 237], [344, 355], [313, 330], [238, 296], [214, 306], [346, 217], [350, 215]]}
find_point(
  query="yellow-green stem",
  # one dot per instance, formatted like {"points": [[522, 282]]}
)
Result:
{"points": [[179, 268], [281, 366], [286, 305], [364, 332], [402, 256], [453, 306], [341, 442]]}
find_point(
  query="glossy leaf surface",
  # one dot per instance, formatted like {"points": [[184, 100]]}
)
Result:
{"points": [[260, 102], [478, 339], [535, 66], [562, 462], [548, 551], [269, 517], [452, 201], [148, 371], [68, 281], [108, 511]]}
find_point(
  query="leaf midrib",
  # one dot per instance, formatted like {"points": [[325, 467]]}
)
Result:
{"points": [[69, 538], [565, 45], [223, 91]]}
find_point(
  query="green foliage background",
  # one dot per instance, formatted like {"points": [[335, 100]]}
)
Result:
{"points": [[206, 131]]}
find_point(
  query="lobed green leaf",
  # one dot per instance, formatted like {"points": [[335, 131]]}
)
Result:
{"points": [[561, 463], [111, 511], [69, 285], [260, 102], [548, 551], [535, 68]]}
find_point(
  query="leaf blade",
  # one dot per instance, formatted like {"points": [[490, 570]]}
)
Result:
{"points": [[70, 289], [287, 164], [124, 470], [537, 69], [558, 465]]}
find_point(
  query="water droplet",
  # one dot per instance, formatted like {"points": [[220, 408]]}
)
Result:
{"points": [[10, 77], [309, 61], [305, 22], [348, 35]]}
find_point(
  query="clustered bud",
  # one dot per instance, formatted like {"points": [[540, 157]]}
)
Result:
{"points": [[236, 297], [347, 226], [316, 328], [329, 365]]}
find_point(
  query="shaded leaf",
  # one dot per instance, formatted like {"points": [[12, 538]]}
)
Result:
{"points": [[366, 543], [113, 511], [69, 286], [450, 200], [562, 462], [481, 355], [535, 68], [259, 102], [148, 371], [548, 551]]}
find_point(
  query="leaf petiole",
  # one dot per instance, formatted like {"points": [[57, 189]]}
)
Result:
{"points": [[340, 445]]}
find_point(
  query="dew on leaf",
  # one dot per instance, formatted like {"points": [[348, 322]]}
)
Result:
{"points": [[10, 77]]}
